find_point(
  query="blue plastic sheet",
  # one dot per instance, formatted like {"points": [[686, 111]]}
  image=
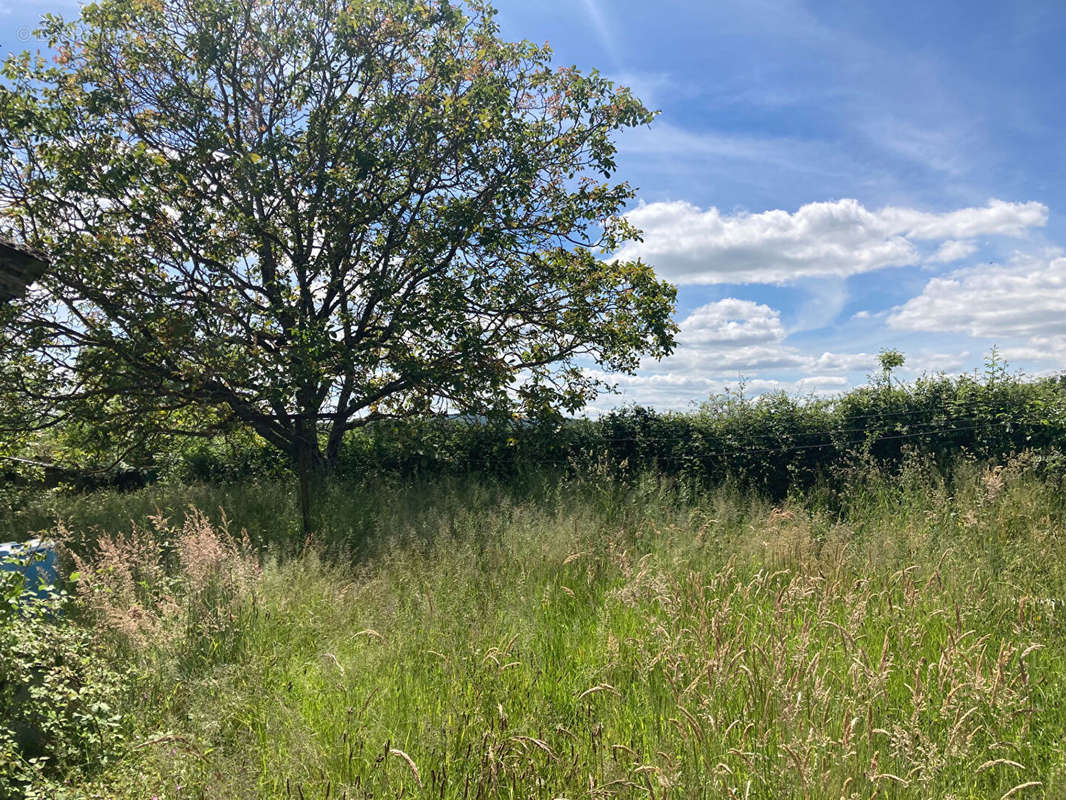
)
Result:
{"points": [[36, 560]]}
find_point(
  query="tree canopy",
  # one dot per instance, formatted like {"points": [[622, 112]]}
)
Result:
{"points": [[312, 214]]}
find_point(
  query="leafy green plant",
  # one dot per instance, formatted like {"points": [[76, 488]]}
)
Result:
{"points": [[60, 695]]}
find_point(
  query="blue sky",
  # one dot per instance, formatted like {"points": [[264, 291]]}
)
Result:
{"points": [[827, 179]]}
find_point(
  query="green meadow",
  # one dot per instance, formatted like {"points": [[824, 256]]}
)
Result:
{"points": [[555, 636]]}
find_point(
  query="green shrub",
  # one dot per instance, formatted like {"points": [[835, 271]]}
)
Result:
{"points": [[59, 696], [774, 443]]}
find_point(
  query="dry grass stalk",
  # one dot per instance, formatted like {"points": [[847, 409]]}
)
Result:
{"points": [[159, 584]]}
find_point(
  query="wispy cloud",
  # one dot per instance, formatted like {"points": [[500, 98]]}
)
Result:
{"points": [[669, 142], [603, 30], [939, 149]]}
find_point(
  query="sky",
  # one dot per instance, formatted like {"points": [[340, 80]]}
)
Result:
{"points": [[825, 180]]}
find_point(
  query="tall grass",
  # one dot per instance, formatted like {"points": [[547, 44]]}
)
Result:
{"points": [[585, 638]]}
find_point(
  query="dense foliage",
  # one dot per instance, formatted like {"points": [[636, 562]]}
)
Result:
{"points": [[771, 443], [306, 216], [60, 696]]}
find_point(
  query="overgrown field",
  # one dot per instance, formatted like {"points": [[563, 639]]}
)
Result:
{"points": [[578, 638]]}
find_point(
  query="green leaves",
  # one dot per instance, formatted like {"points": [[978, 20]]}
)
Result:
{"points": [[307, 212], [58, 696]]}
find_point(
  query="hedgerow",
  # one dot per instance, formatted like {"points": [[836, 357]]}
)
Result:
{"points": [[771, 443]]}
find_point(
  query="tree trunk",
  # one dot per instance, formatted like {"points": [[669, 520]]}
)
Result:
{"points": [[309, 468]]}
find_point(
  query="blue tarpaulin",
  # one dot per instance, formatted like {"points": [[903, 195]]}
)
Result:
{"points": [[35, 559]]}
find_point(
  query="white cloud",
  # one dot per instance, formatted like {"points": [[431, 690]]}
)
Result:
{"points": [[1022, 306], [844, 362], [732, 322], [603, 28], [953, 250], [730, 336], [998, 217], [926, 362], [1038, 348], [721, 343], [730, 361], [823, 382], [651, 87], [1023, 300], [671, 146], [739, 337], [691, 246], [933, 147]]}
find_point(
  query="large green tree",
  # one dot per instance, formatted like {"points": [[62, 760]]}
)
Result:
{"points": [[318, 213]]}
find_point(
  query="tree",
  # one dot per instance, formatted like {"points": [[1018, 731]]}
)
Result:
{"points": [[889, 360], [319, 213]]}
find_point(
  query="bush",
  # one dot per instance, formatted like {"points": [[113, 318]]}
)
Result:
{"points": [[774, 443], [71, 666], [59, 695]]}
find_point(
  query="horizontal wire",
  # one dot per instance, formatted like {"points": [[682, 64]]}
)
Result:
{"points": [[485, 457], [681, 437]]}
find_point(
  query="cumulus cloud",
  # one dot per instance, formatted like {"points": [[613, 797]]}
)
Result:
{"points": [[823, 382], [722, 342], [953, 250], [733, 322], [1025, 299], [689, 245], [732, 336], [998, 217], [731, 340], [843, 362], [732, 361]]}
